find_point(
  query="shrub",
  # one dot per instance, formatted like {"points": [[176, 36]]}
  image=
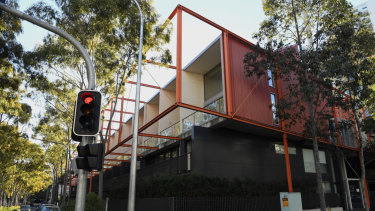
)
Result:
{"points": [[13, 208], [93, 203], [69, 206]]}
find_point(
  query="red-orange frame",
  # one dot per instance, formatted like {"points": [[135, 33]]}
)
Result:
{"points": [[225, 33], [228, 97]]}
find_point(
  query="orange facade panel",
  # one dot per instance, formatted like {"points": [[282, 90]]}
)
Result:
{"points": [[251, 96]]}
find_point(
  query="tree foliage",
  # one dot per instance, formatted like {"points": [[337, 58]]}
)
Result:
{"points": [[109, 31], [314, 47], [22, 168]]}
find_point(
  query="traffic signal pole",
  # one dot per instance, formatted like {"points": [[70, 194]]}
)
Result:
{"points": [[82, 182], [82, 175]]}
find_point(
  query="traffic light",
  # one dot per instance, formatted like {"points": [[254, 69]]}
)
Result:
{"points": [[90, 157], [74, 137], [87, 113]]}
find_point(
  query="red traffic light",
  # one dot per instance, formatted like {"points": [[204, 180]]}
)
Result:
{"points": [[88, 100], [87, 113], [87, 97]]}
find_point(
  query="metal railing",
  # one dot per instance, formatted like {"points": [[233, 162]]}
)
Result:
{"points": [[197, 118]]}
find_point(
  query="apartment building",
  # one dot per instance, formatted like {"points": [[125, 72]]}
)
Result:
{"points": [[212, 120]]}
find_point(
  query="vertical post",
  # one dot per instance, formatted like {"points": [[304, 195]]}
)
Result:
{"points": [[287, 163], [121, 113], [337, 126], [90, 182], [106, 204], [82, 183], [367, 194], [133, 160], [179, 55], [355, 130], [285, 140], [228, 86]]}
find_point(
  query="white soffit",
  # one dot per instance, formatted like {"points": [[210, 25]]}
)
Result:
{"points": [[207, 59]]}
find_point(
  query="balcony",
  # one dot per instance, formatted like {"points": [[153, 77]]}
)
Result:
{"points": [[183, 128]]}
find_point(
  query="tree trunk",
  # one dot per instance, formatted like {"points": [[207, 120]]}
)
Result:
{"points": [[361, 160], [2, 190], [54, 186], [70, 175], [313, 128], [60, 180], [314, 136], [65, 178], [319, 180]]}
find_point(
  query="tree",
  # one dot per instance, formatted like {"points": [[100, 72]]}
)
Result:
{"points": [[307, 25], [349, 56], [20, 160], [109, 30]]}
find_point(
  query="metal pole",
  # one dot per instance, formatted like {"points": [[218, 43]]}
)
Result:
{"points": [[82, 175], [82, 183], [133, 162], [89, 65]]}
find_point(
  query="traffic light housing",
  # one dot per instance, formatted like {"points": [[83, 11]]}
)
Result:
{"points": [[87, 113], [90, 157]]}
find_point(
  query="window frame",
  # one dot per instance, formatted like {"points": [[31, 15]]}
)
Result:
{"points": [[275, 118], [218, 95], [270, 78], [322, 161]]}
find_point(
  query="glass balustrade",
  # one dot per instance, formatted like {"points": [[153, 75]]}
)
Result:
{"points": [[195, 119]]}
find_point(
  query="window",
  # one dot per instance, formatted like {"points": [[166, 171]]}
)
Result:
{"points": [[279, 149], [274, 111], [367, 113], [175, 153], [326, 187], [213, 84], [188, 151], [167, 155], [347, 134], [188, 147], [332, 131], [308, 161], [270, 78]]}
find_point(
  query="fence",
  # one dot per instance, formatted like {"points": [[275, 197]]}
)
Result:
{"points": [[270, 203]]}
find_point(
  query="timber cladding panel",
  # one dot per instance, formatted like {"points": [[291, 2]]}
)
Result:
{"points": [[251, 96]]}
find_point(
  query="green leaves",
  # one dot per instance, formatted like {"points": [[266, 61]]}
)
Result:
{"points": [[335, 50], [109, 30]]}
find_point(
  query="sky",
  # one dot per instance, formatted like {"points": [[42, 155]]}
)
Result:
{"points": [[241, 17]]}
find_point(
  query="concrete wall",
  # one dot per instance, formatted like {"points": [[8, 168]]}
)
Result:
{"points": [[151, 111], [167, 99], [192, 91]]}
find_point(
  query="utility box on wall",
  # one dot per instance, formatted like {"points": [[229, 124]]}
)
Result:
{"points": [[290, 201]]}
